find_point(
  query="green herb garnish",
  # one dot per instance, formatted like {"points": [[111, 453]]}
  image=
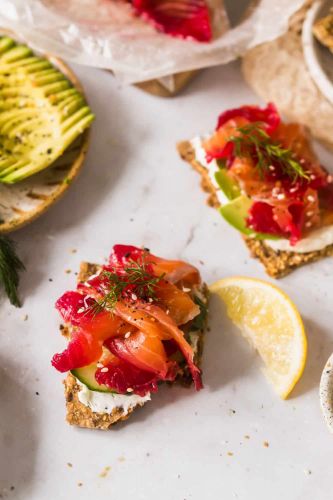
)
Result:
{"points": [[254, 141], [10, 266], [135, 280], [199, 322]]}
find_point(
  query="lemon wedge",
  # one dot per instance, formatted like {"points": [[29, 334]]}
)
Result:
{"points": [[270, 321]]}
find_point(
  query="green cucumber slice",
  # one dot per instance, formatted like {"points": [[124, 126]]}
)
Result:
{"points": [[229, 187], [86, 376], [236, 212]]}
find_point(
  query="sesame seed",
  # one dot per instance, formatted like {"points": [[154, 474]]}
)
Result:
{"points": [[99, 365], [81, 310], [105, 369], [293, 190], [167, 311], [312, 176], [150, 300], [281, 196], [309, 213], [329, 178], [127, 335], [130, 389], [134, 297], [186, 289], [311, 198], [302, 161], [271, 167], [308, 224]]}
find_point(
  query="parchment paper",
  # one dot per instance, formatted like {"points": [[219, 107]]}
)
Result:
{"points": [[104, 33]]}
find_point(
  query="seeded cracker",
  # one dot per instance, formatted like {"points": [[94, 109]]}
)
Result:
{"points": [[82, 416], [277, 263]]}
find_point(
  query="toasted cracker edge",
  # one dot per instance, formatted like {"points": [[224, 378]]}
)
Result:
{"points": [[80, 415], [277, 263]]}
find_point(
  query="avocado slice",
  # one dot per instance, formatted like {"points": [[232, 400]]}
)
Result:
{"points": [[86, 376], [229, 186], [236, 213], [41, 113]]}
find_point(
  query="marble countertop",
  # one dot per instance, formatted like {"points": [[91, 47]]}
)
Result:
{"points": [[183, 445]]}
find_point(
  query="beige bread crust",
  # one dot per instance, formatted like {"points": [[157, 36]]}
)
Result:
{"points": [[277, 263], [277, 72], [80, 415]]}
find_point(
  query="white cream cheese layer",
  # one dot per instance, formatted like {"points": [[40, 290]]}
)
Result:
{"points": [[212, 167], [106, 402], [317, 240]]}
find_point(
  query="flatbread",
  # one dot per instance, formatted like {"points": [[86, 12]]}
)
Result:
{"points": [[277, 263], [80, 415]]}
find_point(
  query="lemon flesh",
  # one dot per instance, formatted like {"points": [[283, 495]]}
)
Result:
{"points": [[269, 320]]}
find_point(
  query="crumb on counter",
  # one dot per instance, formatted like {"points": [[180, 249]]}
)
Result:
{"points": [[105, 471]]}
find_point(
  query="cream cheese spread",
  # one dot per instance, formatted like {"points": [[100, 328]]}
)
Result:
{"points": [[106, 402], [316, 240]]}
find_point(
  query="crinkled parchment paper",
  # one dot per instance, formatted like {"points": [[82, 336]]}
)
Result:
{"points": [[104, 33]]}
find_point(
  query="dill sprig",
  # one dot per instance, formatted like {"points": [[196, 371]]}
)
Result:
{"points": [[254, 141], [10, 266], [134, 281]]}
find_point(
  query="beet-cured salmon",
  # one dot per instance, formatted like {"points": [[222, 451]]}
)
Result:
{"points": [[125, 318]]}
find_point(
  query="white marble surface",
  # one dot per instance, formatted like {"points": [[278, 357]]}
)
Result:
{"points": [[135, 189]]}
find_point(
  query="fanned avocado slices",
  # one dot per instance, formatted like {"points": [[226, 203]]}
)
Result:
{"points": [[41, 113]]}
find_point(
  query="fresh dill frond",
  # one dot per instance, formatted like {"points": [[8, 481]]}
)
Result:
{"points": [[135, 281], [252, 141], [10, 267]]}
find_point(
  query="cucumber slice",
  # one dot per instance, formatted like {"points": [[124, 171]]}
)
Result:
{"points": [[229, 187], [86, 375], [236, 212]]}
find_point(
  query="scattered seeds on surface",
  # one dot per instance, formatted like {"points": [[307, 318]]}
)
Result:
{"points": [[80, 484], [247, 436], [266, 444], [25, 317], [230, 454], [105, 471], [73, 250], [68, 271], [69, 464]]}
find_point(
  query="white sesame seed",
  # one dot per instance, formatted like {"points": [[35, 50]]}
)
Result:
{"points": [[134, 297], [167, 311], [312, 176], [271, 167], [81, 310], [150, 300], [302, 161], [308, 224], [311, 198], [105, 369], [99, 365], [130, 389], [309, 213], [281, 196], [293, 190], [127, 335], [186, 289]]}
